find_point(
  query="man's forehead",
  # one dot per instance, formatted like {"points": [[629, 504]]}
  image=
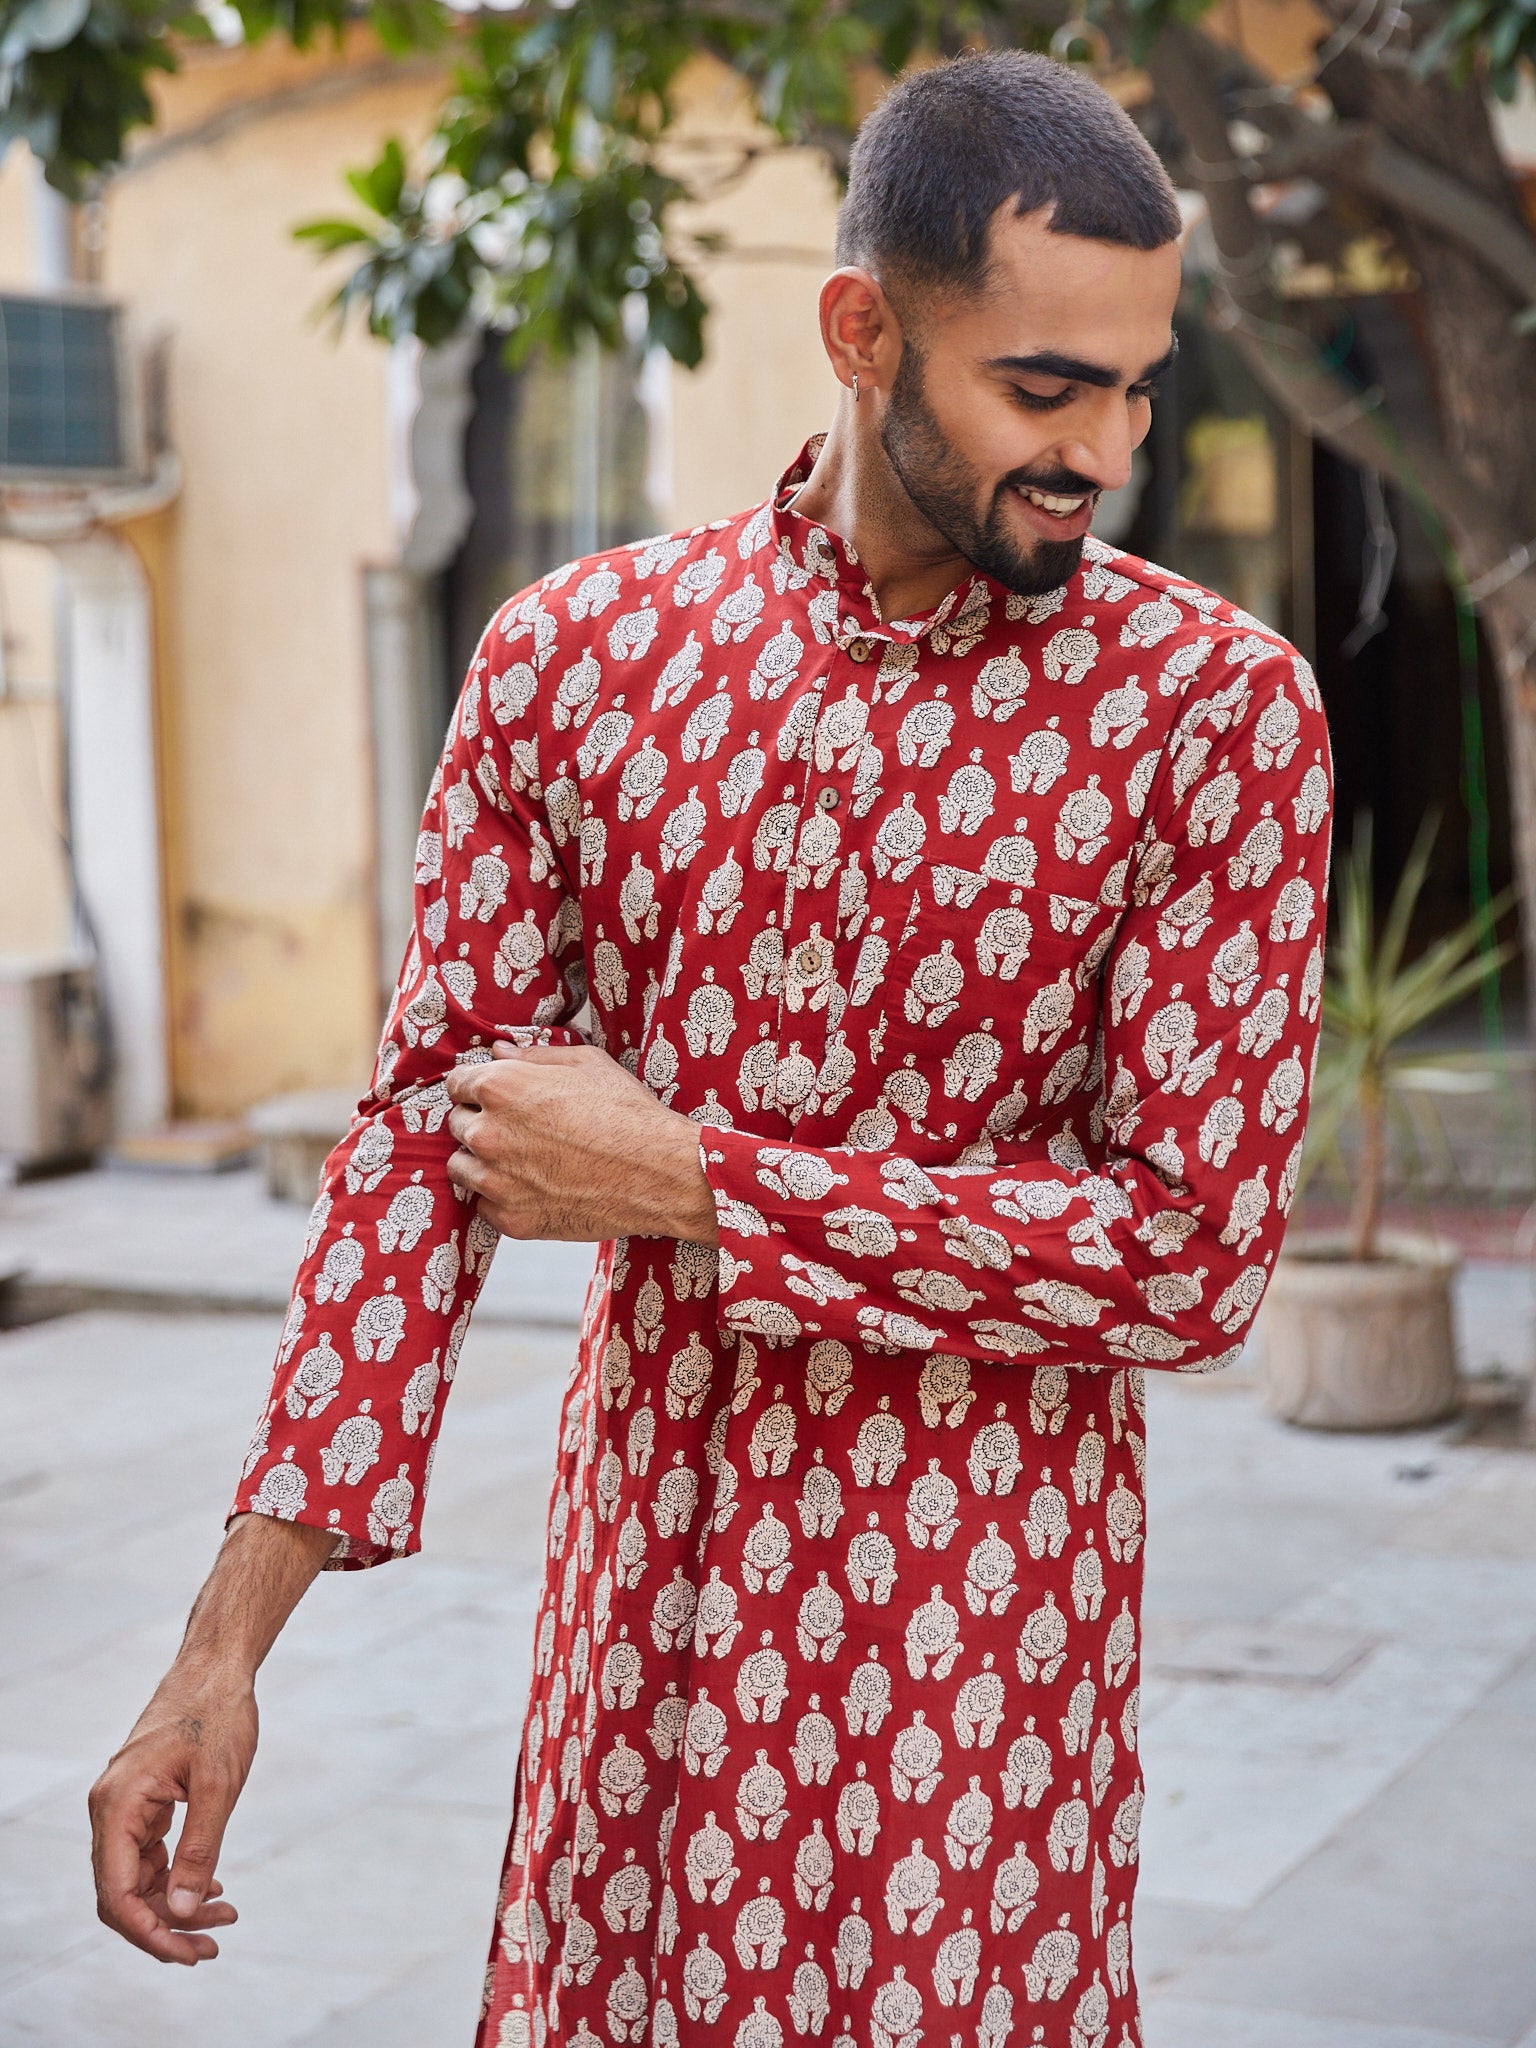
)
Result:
{"points": [[1065, 296]]}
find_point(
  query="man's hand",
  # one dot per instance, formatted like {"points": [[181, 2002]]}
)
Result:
{"points": [[193, 1745], [563, 1142]]}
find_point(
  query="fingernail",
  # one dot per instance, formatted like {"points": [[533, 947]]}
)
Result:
{"points": [[184, 1901]]}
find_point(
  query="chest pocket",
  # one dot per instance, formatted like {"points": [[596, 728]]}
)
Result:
{"points": [[976, 990]]}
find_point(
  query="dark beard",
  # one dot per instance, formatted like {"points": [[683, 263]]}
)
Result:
{"points": [[946, 490]]}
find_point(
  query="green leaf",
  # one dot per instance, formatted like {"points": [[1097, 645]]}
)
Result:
{"points": [[331, 235], [1372, 1000], [381, 185]]}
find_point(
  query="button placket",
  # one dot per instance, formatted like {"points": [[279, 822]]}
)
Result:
{"points": [[811, 955]]}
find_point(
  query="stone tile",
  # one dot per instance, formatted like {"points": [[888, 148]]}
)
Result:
{"points": [[1443, 1604], [32, 1778], [1515, 1695], [1166, 1933], [1493, 1515], [1267, 1654], [455, 1675], [1354, 1938], [111, 1996], [437, 2003], [49, 1898], [1246, 1781], [537, 1283], [1448, 1850], [394, 1882], [84, 1704], [216, 1234], [1495, 1308], [45, 1611], [220, 1236], [1183, 2023], [475, 1772]]}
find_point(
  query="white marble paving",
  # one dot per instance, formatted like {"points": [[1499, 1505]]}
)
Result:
{"points": [[222, 1238], [1179, 2023]]}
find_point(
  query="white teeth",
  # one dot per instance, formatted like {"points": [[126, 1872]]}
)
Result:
{"points": [[1048, 503]]}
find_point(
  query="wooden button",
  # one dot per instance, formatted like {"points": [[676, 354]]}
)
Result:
{"points": [[827, 799], [860, 650]]}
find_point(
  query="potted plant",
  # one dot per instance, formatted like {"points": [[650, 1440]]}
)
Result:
{"points": [[1357, 1324]]}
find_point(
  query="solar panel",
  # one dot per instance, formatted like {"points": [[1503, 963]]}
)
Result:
{"points": [[60, 389]]}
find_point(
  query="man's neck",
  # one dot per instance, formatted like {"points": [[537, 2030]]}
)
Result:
{"points": [[853, 491]]}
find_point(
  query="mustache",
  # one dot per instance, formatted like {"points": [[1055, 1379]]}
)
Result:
{"points": [[1063, 483]]}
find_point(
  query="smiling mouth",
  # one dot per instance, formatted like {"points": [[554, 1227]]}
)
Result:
{"points": [[1058, 506]]}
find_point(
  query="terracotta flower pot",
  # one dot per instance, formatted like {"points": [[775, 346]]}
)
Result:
{"points": [[1351, 1345]]}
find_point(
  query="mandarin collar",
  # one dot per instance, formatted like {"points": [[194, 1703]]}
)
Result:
{"points": [[844, 606]]}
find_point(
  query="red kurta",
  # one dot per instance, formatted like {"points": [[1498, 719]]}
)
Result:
{"points": [[986, 950]]}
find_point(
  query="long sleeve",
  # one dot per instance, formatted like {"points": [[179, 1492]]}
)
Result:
{"points": [[394, 1257], [1145, 1232]]}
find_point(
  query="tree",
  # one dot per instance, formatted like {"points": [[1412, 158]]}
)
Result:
{"points": [[548, 195]]}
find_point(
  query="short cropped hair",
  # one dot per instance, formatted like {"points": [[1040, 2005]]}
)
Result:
{"points": [[948, 146]]}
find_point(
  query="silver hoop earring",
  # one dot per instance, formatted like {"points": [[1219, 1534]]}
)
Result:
{"points": [[855, 387]]}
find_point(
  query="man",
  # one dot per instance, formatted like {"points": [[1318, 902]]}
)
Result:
{"points": [[949, 892]]}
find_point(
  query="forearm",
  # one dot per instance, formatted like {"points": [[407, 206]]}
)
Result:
{"points": [[1035, 1258], [260, 1575]]}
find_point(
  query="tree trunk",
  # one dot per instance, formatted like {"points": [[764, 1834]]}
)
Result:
{"points": [[1474, 462], [1484, 379]]}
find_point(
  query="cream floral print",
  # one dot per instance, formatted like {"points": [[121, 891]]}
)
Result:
{"points": [[986, 951]]}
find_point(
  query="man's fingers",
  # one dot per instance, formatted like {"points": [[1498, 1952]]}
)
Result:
{"points": [[461, 1123], [464, 1083], [210, 1801], [128, 1837], [136, 1920], [468, 1172], [124, 1831], [543, 1055], [212, 1913]]}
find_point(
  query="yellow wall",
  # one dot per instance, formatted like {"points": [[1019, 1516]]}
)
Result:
{"points": [[283, 437], [764, 385], [34, 891], [15, 217], [34, 894]]}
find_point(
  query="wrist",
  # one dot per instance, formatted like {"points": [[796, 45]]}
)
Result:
{"points": [[213, 1667], [694, 1220]]}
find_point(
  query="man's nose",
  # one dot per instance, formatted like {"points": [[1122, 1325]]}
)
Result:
{"points": [[1102, 451]]}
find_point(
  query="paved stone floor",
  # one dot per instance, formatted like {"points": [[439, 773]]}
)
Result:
{"points": [[1340, 1722]]}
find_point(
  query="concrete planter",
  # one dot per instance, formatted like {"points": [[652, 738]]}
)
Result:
{"points": [[1360, 1346]]}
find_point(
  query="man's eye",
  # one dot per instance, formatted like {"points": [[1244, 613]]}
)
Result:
{"points": [[1146, 391], [1033, 402]]}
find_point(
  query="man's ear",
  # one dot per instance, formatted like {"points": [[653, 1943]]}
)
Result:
{"points": [[859, 328]]}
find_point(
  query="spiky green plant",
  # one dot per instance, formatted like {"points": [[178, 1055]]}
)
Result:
{"points": [[1373, 1001]]}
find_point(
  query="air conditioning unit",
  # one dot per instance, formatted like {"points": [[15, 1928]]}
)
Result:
{"points": [[68, 407], [55, 1064]]}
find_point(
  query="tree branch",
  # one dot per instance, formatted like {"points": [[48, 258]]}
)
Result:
{"points": [[1355, 153], [1280, 351]]}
